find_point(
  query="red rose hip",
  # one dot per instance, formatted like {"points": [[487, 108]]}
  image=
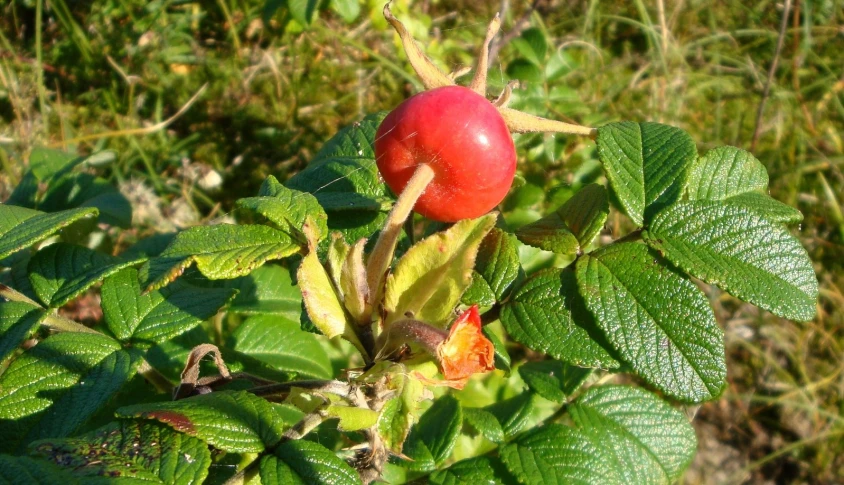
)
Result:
{"points": [[462, 137]]}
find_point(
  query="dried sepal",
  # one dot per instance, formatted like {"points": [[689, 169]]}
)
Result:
{"points": [[353, 283], [478, 83], [458, 73], [504, 98], [428, 73], [520, 122]]}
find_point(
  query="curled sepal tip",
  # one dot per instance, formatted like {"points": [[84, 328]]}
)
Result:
{"points": [[428, 73], [478, 84]]}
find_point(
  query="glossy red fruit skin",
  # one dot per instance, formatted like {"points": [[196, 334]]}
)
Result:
{"points": [[459, 134]]}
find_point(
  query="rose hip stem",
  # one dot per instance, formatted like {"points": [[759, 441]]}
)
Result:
{"points": [[382, 253]]}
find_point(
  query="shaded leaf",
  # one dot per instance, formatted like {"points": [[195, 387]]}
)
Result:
{"points": [[17, 322], [282, 345], [646, 164], [658, 321], [147, 452], [513, 413], [398, 413], [86, 190], [268, 290], [498, 262], [572, 227], [159, 315], [474, 471], [52, 389], [552, 379], [302, 462], [23, 470], [485, 423], [61, 272], [234, 421], [548, 315], [432, 439], [344, 179], [348, 10], [502, 357], [303, 11], [20, 228], [743, 253]]}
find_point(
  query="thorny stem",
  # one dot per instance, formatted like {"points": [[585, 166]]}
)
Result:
{"points": [[382, 253]]}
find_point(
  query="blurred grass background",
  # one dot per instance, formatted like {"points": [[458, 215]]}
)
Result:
{"points": [[202, 100]]}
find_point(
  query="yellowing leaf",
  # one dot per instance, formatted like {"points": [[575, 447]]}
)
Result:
{"points": [[323, 304], [430, 278], [321, 301]]}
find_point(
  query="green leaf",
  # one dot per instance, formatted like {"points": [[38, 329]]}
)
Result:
{"points": [[627, 416], [532, 45], [44, 164], [17, 322], [169, 357], [571, 228], [146, 452], [302, 462], [352, 418], [498, 262], [502, 358], [658, 321], [151, 318], [474, 471], [345, 180], [61, 272], [345, 168], [767, 207], [430, 278], [20, 228], [348, 10], [485, 423], [282, 345], [432, 439], [223, 251], [23, 470], [303, 11], [646, 164], [552, 379], [86, 190], [234, 421], [556, 455], [548, 315], [268, 290], [514, 413], [53, 388], [736, 249], [478, 293], [290, 210], [735, 176], [398, 413]]}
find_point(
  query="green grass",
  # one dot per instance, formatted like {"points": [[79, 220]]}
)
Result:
{"points": [[110, 74]]}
